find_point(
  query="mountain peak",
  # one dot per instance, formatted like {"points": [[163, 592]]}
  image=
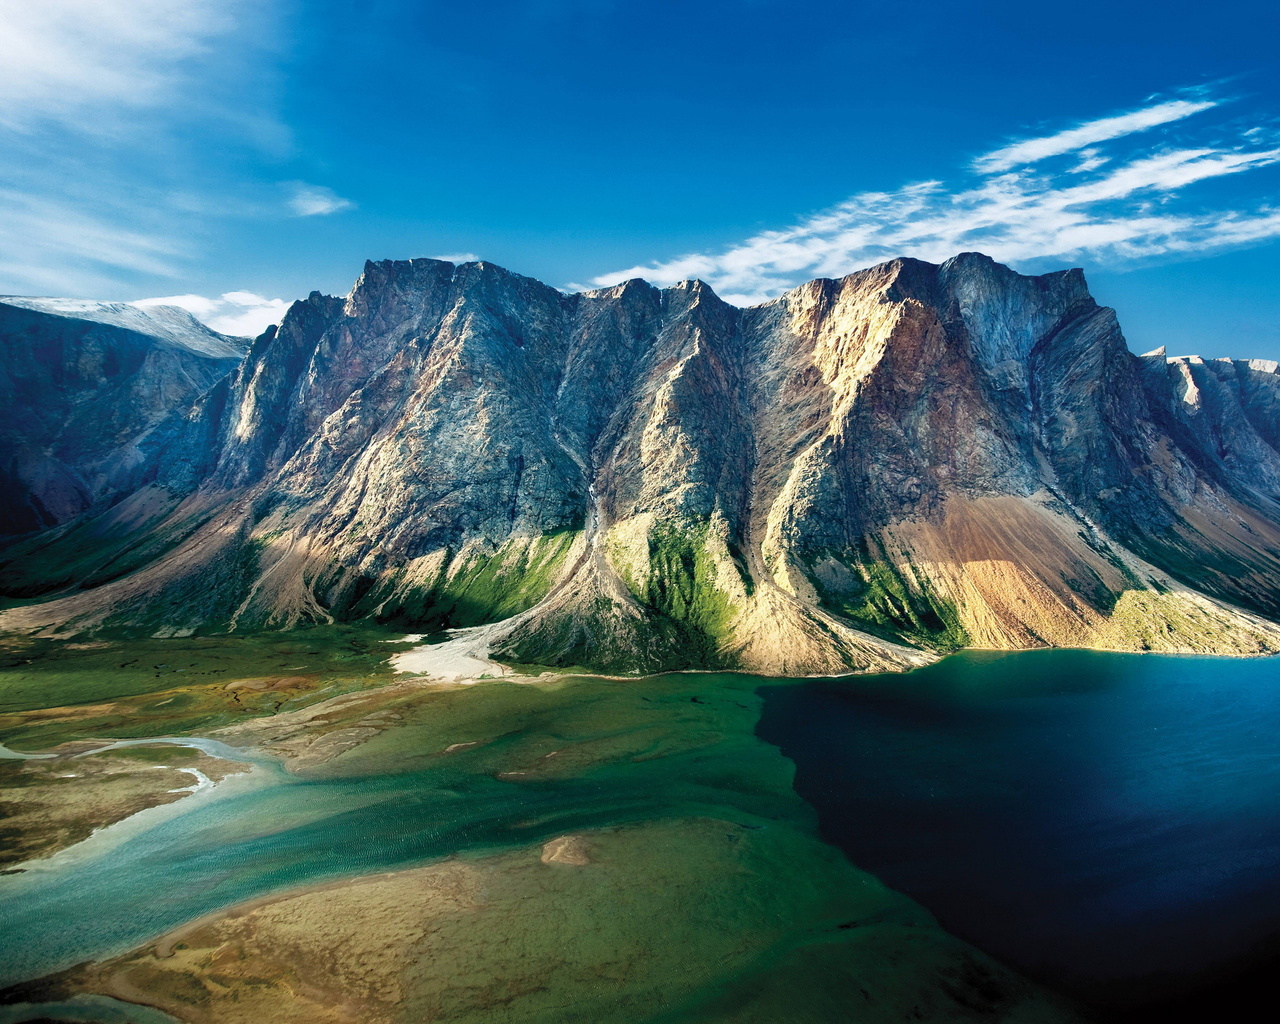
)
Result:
{"points": [[855, 476]]}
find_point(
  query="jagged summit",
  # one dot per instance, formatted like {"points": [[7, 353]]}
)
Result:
{"points": [[856, 475]]}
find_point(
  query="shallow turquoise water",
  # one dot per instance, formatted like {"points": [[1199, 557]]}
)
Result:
{"points": [[657, 750], [1093, 819]]}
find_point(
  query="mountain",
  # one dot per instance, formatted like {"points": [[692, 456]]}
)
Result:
{"points": [[87, 389], [855, 476]]}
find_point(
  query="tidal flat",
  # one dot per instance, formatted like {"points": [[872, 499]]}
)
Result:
{"points": [[552, 848]]}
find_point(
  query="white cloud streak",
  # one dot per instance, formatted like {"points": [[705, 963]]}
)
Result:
{"points": [[1108, 207], [52, 246], [106, 113], [1029, 151], [316, 200], [237, 313], [78, 61]]}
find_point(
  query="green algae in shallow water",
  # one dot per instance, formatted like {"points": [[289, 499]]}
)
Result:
{"points": [[707, 896], [154, 687]]}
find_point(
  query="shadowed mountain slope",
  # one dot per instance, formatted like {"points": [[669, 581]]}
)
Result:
{"points": [[88, 392], [851, 477]]}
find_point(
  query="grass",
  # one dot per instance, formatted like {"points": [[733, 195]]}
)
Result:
{"points": [[485, 588], [1148, 620], [88, 554], [52, 691], [890, 606], [687, 615], [600, 640], [682, 581]]}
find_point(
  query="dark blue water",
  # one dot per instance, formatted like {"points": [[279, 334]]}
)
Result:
{"points": [[1107, 823]]}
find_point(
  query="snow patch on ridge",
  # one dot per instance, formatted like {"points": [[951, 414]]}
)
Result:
{"points": [[168, 323]]}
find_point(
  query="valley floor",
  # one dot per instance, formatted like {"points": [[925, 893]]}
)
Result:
{"points": [[356, 843]]}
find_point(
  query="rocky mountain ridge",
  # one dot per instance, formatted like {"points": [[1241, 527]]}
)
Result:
{"points": [[88, 390], [854, 476]]}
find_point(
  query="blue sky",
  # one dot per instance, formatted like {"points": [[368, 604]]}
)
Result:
{"points": [[238, 155]]}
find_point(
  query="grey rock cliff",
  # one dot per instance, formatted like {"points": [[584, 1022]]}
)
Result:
{"points": [[854, 476]]}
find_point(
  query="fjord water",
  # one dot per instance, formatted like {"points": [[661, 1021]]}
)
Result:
{"points": [[547, 759], [1110, 824], [1107, 823]]}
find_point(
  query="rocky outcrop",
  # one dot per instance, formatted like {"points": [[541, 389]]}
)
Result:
{"points": [[90, 393], [855, 476]]}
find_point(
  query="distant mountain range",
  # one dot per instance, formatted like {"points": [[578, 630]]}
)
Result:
{"points": [[87, 391], [855, 476]]}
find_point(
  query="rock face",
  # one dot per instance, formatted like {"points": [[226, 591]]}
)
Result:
{"points": [[851, 477], [89, 391]]}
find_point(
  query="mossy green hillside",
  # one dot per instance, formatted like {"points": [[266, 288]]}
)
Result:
{"points": [[881, 598], [473, 586], [91, 552], [597, 637], [685, 610], [1151, 620], [682, 583]]}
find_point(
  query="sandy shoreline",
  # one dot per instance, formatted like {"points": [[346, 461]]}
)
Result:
{"points": [[67, 818], [85, 797], [464, 657]]}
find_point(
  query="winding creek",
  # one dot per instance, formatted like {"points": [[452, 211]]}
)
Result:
{"points": [[1108, 824]]}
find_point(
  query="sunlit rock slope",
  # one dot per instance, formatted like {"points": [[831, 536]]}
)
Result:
{"points": [[854, 476]]}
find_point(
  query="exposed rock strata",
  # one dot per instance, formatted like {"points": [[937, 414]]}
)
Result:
{"points": [[908, 460]]}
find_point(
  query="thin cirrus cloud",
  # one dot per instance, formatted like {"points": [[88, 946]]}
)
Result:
{"points": [[51, 246], [1107, 200], [1029, 151], [315, 200], [237, 313], [84, 62], [105, 108]]}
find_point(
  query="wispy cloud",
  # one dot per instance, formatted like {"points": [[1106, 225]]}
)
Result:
{"points": [[315, 200], [55, 246], [238, 313], [108, 113], [80, 61], [458, 257], [1029, 151], [1106, 202]]}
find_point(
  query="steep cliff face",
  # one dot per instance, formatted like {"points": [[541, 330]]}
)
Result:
{"points": [[854, 476], [88, 392]]}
